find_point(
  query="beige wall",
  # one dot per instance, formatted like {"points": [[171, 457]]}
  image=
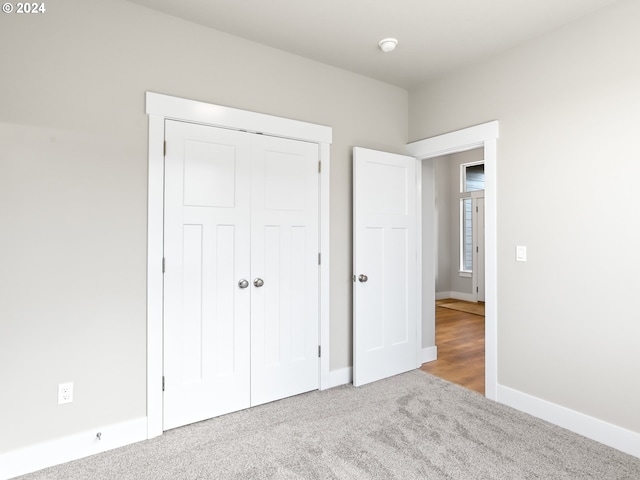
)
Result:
{"points": [[73, 162], [568, 159]]}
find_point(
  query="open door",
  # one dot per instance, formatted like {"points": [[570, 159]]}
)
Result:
{"points": [[384, 265]]}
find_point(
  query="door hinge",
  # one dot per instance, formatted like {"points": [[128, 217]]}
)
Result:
{"points": [[163, 265], [319, 351], [319, 258], [164, 149], [477, 250], [476, 209], [163, 383], [319, 167]]}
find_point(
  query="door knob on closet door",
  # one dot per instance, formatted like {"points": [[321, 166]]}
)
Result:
{"points": [[363, 278], [243, 283], [258, 282]]}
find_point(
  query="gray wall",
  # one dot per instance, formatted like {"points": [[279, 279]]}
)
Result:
{"points": [[442, 172], [447, 204], [568, 156], [429, 252], [73, 197], [459, 284]]}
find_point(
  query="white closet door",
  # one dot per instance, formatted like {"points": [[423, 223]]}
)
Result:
{"points": [[207, 245], [284, 255], [385, 256]]}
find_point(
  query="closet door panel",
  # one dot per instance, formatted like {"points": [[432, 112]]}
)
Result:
{"points": [[238, 206], [284, 254], [207, 248]]}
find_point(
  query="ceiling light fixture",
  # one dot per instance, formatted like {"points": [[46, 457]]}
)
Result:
{"points": [[388, 44]]}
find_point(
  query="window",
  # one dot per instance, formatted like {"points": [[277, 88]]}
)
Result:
{"points": [[472, 177], [466, 232], [471, 180]]}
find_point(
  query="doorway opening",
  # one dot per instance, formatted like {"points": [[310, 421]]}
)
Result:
{"points": [[458, 181], [483, 137]]}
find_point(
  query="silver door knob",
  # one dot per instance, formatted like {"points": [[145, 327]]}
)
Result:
{"points": [[258, 282], [243, 283], [363, 278]]}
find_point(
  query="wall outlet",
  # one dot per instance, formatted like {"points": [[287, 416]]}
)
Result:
{"points": [[65, 393]]}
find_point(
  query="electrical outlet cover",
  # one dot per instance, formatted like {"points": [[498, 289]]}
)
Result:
{"points": [[65, 393]]}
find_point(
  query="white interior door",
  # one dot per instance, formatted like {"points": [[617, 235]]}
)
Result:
{"points": [[385, 258], [241, 297], [284, 261], [207, 235]]}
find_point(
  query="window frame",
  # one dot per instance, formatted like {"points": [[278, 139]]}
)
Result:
{"points": [[462, 231]]}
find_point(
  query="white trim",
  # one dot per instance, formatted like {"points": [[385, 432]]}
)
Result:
{"points": [[72, 447], [466, 297], [484, 135], [155, 249], [593, 428], [454, 142], [335, 378], [325, 280], [428, 354], [216, 115], [419, 302], [162, 107]]}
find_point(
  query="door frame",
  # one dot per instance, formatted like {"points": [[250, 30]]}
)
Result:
{"points": [[161, 107], [484, 135], [477, 277]]}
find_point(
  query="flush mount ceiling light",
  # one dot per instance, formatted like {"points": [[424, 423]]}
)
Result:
{"points": [[388, 44]]}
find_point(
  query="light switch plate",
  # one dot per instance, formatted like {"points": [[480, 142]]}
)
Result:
{"points": [[521, 253]]}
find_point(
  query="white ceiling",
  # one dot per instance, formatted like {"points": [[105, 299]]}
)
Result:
{"points": [[434, 35]]}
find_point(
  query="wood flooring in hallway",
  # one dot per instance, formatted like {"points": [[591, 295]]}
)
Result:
{"points": [[460, 342]]}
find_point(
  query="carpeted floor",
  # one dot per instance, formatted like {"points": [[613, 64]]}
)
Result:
{"points": [[412, 426], [468, 307]]}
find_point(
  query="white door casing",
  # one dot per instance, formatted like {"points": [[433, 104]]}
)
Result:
{"points": [[160, 108], [385, 259], [479, 136], [241, 284]]}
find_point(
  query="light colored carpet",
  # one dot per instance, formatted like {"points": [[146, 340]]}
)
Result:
{"points": [[468, 307], [412, 426]]}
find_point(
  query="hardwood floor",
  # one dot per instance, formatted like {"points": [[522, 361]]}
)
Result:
{"points": [[460, 341]]}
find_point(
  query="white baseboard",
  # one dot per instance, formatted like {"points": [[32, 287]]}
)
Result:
{"points": [[339, 377], [428, 354], [467, 297], [593, 428], [65, 449]]}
